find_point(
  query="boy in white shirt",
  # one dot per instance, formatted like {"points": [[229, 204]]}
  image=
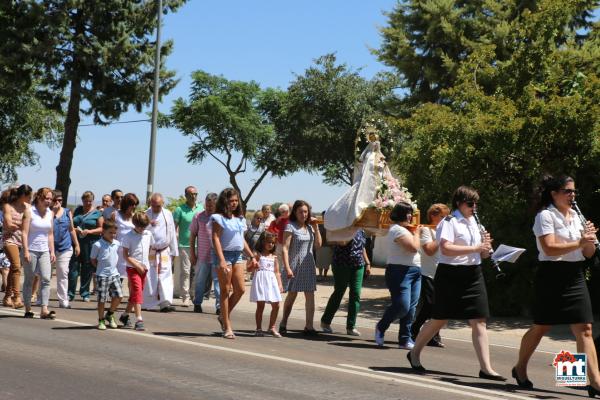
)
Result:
{"points": [[136, 249], [104, 256]]}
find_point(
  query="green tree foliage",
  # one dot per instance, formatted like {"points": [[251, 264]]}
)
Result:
{"points": [[323, 113], [233, 123], [508, 120], [91, 58], [426, 41], [23, 122]]}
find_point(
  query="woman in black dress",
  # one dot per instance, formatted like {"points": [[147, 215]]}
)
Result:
{"points": [[560, 295], [460, 291]]}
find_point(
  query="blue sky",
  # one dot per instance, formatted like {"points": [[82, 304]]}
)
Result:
{"points": [[266, 41]]}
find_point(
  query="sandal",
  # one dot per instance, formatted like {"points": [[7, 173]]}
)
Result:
{"points": [[310, 332], [28, 314], [50, 315], [228, 335], [274, 333]]}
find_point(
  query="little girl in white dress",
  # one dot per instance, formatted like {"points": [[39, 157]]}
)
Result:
{"points": [[266, 284]]}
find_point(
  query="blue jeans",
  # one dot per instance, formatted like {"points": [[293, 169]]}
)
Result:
{"points": [[404, 284], [205, 271]]}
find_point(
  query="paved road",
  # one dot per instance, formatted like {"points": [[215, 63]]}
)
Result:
{"points": [[182, 356]]}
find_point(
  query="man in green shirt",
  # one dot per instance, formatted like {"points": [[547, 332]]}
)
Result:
{"points": [[182, 217]]}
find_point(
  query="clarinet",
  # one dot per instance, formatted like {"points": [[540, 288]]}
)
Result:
{"points": [[584, 223], [495, 263]]}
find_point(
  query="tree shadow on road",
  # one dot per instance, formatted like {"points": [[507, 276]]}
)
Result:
{"points": [[187, 334], [74, 328], [361, 345]]}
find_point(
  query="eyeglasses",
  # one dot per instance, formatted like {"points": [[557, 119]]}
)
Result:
{"points": [[470, 204], [569, 191], [59, 200]]}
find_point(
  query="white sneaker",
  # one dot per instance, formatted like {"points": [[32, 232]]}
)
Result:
{"points": [[326, 328], [352, 332], [186, 303], [379, 337]]}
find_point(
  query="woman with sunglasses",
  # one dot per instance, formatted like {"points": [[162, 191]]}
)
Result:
{"points": [[65, 245], [460, 291], [560, 292]]}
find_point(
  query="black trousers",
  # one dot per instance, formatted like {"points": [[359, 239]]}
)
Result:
{"points": [[425, 307]]}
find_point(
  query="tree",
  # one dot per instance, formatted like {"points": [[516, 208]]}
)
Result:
{"points": [[99, 54], [323, 113], [426, 41], [537, 112], [233, 123], [23, 122]]}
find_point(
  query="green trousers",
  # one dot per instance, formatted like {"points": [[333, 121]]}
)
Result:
{"points": [[343, 277]]}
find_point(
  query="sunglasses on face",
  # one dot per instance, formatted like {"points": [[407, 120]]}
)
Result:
{"points": [[470, 204], [58, 200], [569, 191]]}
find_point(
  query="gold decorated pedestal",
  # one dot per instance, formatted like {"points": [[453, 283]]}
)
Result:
{"points": [[372, 218]]}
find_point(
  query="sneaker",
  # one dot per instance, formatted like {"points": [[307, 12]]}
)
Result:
{"points": [[379, 336], [112, 322], [198, 308], [86, 299], [186, 303], [259, 333], [67, 306], [326, 328], [139, 326], [352, 332], [126, 321], [101, 325], [408, 345]]}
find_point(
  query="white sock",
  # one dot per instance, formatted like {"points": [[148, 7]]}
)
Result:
{"points": [[140, 319]]}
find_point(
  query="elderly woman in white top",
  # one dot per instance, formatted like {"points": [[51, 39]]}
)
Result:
{"points": [[561, 295], [38, 250], [460, 291]]}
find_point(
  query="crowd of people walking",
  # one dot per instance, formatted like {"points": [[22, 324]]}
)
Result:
{"points": [[433, 272]]}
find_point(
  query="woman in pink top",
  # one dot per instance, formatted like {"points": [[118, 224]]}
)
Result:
{"points": [[14, 218]]}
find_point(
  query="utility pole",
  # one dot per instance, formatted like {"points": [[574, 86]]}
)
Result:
{"points": [[150, 187]]}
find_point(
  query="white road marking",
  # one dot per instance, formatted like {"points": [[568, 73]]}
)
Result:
{"points": [[421, 382], [437, 382]]}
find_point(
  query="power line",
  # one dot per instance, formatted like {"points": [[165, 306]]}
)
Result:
{"points": [[118, 122]]}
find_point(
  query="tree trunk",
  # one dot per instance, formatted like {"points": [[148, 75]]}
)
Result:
{"points": [[63, 169]]}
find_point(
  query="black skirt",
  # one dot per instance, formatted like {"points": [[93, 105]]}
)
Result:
{"points": [[460, 293], [561, 295]]}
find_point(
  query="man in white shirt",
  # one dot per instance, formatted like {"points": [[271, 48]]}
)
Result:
{"points": [[159, 280], [116, 196]]}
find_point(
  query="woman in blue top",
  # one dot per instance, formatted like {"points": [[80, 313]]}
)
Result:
{"points": [[88, 225], [65, 245], [228, 226]]}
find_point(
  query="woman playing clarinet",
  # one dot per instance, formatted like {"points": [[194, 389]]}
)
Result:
{"points": [[460, 291], [560, 292]]}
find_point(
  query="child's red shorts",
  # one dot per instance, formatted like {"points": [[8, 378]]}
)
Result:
{"points": [[136, 285]]}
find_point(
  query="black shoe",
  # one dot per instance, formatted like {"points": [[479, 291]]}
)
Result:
{"points": [[282, 329], [436, 343], [525, 384], [419, 368], [498, 378], [197, 308], [218, 312], [28, 314], [592, 392], [168, 309]]}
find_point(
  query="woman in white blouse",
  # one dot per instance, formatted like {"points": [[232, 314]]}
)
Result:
{"points": [[560, 295], [460, 291]]}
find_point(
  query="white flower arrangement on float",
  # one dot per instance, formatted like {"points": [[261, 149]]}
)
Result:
{"points": [[390, 192]]}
